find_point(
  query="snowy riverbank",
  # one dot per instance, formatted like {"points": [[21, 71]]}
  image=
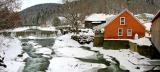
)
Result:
{"points": [[67, 55], [67, 49], [66, 52], [10, 49]]}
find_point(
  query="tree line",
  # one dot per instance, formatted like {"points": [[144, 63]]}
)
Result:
{"points": [[75, 11], [9, 18]]}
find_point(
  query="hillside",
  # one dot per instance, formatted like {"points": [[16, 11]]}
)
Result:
{"points": [[38, 14], [44, 13], [116, 6]]}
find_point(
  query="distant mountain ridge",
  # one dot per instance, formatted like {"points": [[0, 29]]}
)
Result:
{"points": [[43, 13], [38, 14]]}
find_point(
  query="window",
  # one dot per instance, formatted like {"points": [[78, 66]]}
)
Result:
{"points": [[129, 32], [122, 20], [120, 32]]}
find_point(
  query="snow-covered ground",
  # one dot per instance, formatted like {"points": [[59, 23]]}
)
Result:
{"points": [[142, 41], [68, 64], [66, 52], [129, 60], [66, 49], [9, 49]]}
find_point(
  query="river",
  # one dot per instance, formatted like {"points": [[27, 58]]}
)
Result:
{"points": [[39, 59]]}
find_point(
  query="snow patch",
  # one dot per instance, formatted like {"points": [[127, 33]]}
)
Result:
{"points": [[142, 41], [76, 52], [148, 26], [63, 64]]}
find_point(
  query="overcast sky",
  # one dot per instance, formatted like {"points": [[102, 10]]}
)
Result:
{"points": [[29, 3]]}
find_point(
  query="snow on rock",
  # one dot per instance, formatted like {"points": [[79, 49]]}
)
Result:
{"points": [[148, 26], [76, 52], [14, 66], [66, 50], [128, 60], [11, 47], [33, 43], [64, 41], [87, 32], [63, 64], [142, 41], [25, 55], [65, 46], [44, 50]]}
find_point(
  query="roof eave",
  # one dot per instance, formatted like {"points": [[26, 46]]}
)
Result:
{"points": [[156, 16]]}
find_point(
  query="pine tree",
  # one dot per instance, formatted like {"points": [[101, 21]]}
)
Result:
{"points": [[56, 21]]}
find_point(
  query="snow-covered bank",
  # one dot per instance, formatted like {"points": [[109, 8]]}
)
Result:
{"points": [[66, 49], [65, 64], [65, 41], [75, 52], [10, 49], [129, 60], [66, 52], [142, 41]]}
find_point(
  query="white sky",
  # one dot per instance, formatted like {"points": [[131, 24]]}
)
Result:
{"points": [[29, 3]]}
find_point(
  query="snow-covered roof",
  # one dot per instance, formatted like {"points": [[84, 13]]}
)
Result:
{"points": [[108, 18], [148, 26], [149, 15], [62, 19], [145, 17], [96, 17], [142, 41]]}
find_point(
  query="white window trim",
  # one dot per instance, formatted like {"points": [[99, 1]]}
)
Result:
{"points": [[118, 31], [128, 32], [124, 21]]}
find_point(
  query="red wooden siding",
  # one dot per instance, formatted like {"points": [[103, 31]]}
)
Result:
{"points": [[111, 29]]}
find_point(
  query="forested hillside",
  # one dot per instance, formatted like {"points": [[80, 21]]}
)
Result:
{"points": [[38, 14], [43, 13]]}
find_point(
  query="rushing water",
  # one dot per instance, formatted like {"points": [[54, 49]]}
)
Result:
{"points": [[111, 67], [36, 62]]}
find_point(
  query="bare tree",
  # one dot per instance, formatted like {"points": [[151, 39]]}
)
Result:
{"points": [[8, 16], [75, 12]]}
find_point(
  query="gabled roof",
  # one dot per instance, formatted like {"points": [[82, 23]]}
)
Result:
{"points": [[126, 10], [156, 16]]}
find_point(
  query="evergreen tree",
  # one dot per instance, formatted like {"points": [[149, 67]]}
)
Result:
{"points": [[56, 21]]}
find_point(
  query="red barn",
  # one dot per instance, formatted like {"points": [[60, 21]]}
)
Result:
{"points": [[124, 26]]}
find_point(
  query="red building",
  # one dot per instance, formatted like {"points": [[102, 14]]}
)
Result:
{"points": [[124, 26]]}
